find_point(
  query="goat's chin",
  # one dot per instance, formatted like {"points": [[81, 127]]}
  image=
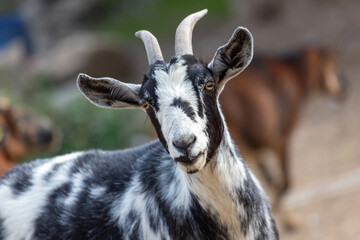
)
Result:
{"points": [[195, 165]]}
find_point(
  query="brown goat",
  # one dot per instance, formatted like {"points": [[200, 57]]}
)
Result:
{"points": [[268, 97], [21, 133]]}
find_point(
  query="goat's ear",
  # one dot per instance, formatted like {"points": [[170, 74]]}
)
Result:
{"points": [[108, 92], [233, 57]]}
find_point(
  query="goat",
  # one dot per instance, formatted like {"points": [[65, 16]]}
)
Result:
{"points": [[21, 133], [189, 184], [268, 98]]}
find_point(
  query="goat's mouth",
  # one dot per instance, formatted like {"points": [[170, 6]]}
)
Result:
{"points": [[192, 164]]}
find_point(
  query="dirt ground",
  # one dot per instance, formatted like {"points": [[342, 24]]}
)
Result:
{"points": [[325, 165]]}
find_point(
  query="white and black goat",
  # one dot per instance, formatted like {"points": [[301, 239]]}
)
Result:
{"points": [[190, 184]]}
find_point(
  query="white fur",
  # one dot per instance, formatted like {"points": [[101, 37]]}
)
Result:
{"points": [[178, 192], [97, 192], [77, 186], [218, 194]]}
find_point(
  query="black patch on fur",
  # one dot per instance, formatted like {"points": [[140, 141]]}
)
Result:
{"points": [[185, 106], [215, 125], [111, 174], [149, 84], [2, 230], [85, 219], [174, 60], [198, 74], [21, 181], [273, 226], [250, 200], [209, 227], [256, 209], [50, 218], [157, 127], [134, 222], [153, 220]]}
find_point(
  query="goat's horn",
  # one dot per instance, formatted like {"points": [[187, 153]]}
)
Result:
{"points": [[152, 46], [184, 31]]}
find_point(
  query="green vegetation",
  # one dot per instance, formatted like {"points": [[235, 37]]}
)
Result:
{"points": [[84, 126], [158, 15], [80, 124]]}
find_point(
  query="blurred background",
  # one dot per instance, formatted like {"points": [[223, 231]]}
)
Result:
{"points": [[44, 44]]}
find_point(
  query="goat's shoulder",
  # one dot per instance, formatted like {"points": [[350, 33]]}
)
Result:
{"points": [[95, 164]]}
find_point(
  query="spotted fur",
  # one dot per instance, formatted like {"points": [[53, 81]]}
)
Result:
{"points": [[171, 188]]}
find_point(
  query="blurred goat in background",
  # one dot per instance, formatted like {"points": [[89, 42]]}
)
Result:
{"points": [[262, 105], [21, 133]]}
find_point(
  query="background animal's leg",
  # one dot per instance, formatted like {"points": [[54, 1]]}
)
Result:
{"points": [[265, 171], [284, 166]]}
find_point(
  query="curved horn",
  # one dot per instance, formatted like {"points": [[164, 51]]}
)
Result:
{"points": [[184, 31], [152, 46]]}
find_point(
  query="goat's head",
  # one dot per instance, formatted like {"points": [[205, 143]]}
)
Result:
{"points": [[322, 71], [22, 133], [180, 97]]}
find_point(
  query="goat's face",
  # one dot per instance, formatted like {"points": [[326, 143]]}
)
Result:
{"points": [[181, 100], [180, 97]]}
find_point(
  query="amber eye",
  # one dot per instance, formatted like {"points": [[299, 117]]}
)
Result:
{"points": [[209, 86], [146, 105]]}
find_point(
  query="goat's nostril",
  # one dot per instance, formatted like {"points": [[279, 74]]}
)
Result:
{"points": [[184, 143]]}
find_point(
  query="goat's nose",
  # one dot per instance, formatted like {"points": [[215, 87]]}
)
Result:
{"points": [[184, 143]]}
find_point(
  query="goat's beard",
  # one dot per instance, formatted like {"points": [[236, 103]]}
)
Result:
{"points": [[195, 165]]}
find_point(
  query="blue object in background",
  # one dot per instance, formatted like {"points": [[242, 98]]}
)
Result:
{"points": [[12, 26]]}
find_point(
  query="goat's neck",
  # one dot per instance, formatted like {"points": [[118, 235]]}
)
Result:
{"points": [[218, 184], [226, 168]]}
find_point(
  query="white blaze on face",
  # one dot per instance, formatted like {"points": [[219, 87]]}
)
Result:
{"points": [[175, 123]]}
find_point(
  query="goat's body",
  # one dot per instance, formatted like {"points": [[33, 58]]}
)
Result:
{"points": [[117, 195], [192, 184]]}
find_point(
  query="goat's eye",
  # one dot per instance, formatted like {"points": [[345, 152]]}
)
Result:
{"points": [[146, 105], [209, 86]]}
